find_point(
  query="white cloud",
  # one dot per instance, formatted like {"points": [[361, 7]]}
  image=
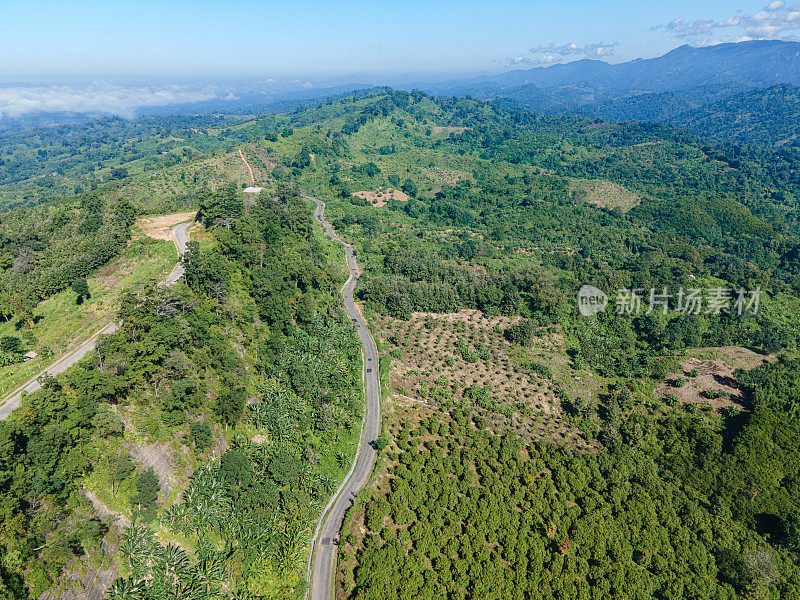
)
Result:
{"points": [[572, 49], [549, 59], [776, 20], [680, 27], [17, 101], [551, 53]]}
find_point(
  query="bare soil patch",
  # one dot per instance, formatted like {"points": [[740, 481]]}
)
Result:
{"points": [[606, 194], [704, 380], [380, 196], [105, 512], [87, 577], [164, 459], [160, 227]]}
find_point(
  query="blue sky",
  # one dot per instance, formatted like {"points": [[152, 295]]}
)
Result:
{"points": [[122, 56], [178, 39]]}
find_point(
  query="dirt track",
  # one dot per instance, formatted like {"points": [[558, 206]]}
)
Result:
{"points": [[249, 168]]}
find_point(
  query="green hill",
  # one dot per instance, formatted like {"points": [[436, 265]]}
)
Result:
{"points": [[768, 117], [527, 450]]}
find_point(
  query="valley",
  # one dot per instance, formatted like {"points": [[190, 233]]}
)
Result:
{"points": [[371, 377]]}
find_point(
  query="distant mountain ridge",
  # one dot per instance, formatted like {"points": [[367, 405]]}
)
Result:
{"points": [[759, 63], [705, 88], [735, 92]]}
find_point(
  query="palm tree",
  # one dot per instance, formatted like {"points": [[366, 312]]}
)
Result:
{"points": [[127, 589], [293, 538], [210, 572], [173, 565]]}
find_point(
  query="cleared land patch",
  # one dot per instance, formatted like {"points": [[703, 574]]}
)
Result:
{"points": [[604, 193], [708, 378], [62, 324], [380, 196], [159, 227], [441, 361]]}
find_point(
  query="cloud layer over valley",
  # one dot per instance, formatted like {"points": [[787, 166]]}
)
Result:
{"points": [[21, 100]]}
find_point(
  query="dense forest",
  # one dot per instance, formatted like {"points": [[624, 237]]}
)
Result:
{"points": [[251, 359], [668, 511], [246, 375], [727, 114], [767, 117]]}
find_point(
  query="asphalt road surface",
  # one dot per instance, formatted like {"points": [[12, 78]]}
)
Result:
{"points": [[12, 400], [326, 537], [180, 238]]}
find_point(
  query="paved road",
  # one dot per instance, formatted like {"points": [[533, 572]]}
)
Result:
{"points": [[180, 239], [12, 400], [326, 537]]}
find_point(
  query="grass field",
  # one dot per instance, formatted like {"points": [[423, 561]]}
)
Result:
{"points": [[62, 324], [604, 193]]}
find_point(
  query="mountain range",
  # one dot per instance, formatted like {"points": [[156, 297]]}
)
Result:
{"points": [[735, 92], [758, 63], [743, 92]]}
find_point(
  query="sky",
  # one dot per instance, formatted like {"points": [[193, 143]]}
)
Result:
{"points": [[313, 38], [167, 45]]}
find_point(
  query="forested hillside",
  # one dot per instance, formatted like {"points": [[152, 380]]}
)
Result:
{"points": [[250, 362], [495, 193], [769, 118], [528, 450], [46, 248], [65, 160], [723, 114], [508, 214], [663, 106], [666, 512], [740, 93]]}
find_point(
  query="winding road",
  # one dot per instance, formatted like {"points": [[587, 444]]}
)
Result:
{"points": [[325, 541], [12, 400], [322, 560], [181, 239]]}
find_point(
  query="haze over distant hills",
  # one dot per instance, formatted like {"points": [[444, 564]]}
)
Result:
{"points": [[28, 106], [759, 63], [743, 92]]}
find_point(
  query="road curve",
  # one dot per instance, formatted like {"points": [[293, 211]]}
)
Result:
{"points": [[180, 238], [12, 400], [324, 545]]}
